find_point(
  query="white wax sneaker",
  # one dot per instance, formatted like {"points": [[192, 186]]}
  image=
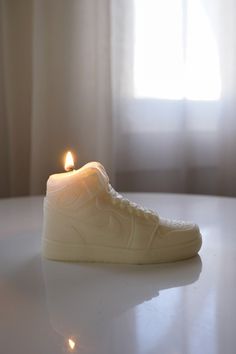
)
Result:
{"points": [[86, 220]]}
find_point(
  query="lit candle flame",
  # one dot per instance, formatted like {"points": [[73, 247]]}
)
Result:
{"points": [[69, 163], [71, 343]]}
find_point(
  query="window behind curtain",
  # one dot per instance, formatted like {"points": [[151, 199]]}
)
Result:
{"points": [[175, 52]]}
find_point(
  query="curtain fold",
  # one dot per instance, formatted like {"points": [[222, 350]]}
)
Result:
{"points": [[71, 93], [177, 135], [96, 77], [15, 96], [56, 91]]}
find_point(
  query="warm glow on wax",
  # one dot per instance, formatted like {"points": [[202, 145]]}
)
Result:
{"points": [[69, 162]]}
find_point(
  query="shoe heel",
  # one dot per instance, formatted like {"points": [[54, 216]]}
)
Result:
{"points": [[57, 232]]}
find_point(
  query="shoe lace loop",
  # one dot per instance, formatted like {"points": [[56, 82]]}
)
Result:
{"points": [[132, 207]]}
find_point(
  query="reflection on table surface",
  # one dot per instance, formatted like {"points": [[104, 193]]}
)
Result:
{"points": [[88, 303]]}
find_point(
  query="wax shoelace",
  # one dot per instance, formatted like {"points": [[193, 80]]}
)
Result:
{"points": [[132, 207]]}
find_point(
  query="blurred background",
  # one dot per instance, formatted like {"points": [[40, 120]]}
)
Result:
{"points": [[146, 87]]}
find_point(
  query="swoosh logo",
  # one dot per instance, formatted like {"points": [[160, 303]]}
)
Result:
{"points": [[108, 227]]}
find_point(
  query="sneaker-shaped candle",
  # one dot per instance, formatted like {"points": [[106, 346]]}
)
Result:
{"points": [[86, 220]]}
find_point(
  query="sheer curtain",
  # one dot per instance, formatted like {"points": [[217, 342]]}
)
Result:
{"points": [[175, 95], [146, 87], [55, 89]]}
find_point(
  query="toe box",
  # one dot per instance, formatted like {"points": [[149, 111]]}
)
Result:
{"points": [[177, 240]]}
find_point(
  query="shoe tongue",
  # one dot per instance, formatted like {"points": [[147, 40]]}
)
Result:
{"points": [[99, 169]]}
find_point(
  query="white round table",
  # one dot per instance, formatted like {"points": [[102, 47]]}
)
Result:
{"points": [[186, 307]]}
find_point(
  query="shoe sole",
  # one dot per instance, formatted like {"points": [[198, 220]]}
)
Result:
{"points": [[60, 251]]}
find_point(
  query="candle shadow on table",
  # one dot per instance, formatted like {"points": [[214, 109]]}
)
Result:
{"points": [[85, 298]]}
